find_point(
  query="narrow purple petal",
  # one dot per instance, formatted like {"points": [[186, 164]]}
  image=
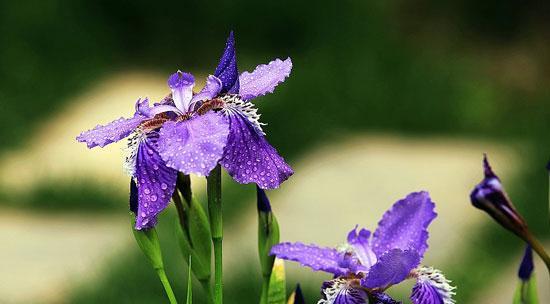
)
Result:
{"points": [[227, 68], [392, 267], [111, 132], [405, 225], [361, 245], [181, 85], [249, 158], [317, 258], [155, 183], [264, 78], [196, 145], [142, 107], [211, 89]]}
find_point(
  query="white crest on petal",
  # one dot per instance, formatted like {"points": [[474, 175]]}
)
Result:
{"points": [[131, 150], [233, 104], [344, 287], [436, 279]]}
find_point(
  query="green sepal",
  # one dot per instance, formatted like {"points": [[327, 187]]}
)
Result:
{"points": [[277, 284], [189, 282], [196, 240], [149, 244], [268, 235], [526, 292]]}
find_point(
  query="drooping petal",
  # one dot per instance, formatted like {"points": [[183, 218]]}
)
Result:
{"points": [[196, 145], [181, 85], [264, 78], [227, 67], [317, 258], [211, 89], [249, 158], [432, 287], [343, 291], [114, 131], [383, 298], [155, 183], [405, 225], [360, 243], [392, 267]]}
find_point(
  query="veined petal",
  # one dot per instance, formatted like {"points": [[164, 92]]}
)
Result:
{"points": [[227, 67], [382, 298], [392, 267], [211, 89], [114, 131], [155, 183], [405, 225], [249, 158], [343, 291], [317, 258], [181, 85], [360, 243], [264, 78], [432, 287], [196, 145]]}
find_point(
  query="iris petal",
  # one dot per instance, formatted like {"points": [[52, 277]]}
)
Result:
{"points": [[392, 267], [317, 258], [114, 131], [264, 78]]}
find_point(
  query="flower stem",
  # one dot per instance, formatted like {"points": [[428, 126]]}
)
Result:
{"points": [[539, 249], [167, 288], [208, 290], [214, 191], [265, 290]]}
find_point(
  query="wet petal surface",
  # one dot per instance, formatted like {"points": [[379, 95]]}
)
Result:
{"points": [[264, 78]]}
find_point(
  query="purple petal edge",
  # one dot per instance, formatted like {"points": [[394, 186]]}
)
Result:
{"points": [[317, 258], [264, 78]]}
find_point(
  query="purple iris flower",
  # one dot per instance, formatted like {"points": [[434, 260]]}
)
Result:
{"points": [[368, 264], [193, 132], [247, 156]]}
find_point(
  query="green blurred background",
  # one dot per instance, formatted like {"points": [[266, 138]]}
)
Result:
{"points": [[456, 79]]}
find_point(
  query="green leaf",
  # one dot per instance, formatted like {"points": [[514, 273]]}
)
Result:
{"points": [[148, 242], [526, 292], [196, 241], [268, 235], [189, 284], [277, 284]]}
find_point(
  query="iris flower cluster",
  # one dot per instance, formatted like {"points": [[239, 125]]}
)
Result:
{"points": [[193, 132]]}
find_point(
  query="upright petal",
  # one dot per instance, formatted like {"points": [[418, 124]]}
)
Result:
{"points": [[405, 225], [155, 183], [194, 146], [432, 287], [360, 243], [181, 85], [343, 291], [392, 267], [227, 68], [249, 158], [111, 132], [211, 89], [264, 78], [317, 258]]}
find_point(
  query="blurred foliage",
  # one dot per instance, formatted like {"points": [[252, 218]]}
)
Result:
{"points": [[418, 67]]}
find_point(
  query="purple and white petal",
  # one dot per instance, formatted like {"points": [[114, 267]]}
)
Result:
{"points": [[405, 225], [181, 85], [196, 145], [249, 158], [226, 70], [142, 107], [343, 291], [264, 78], [317, 258], [361, 245], [383, 298], [114, 131], [155, 183], [432, 287], [211, 89], [392, 267]]}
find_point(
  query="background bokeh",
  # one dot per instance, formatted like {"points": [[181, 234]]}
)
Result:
{"points": [[385, 98]]}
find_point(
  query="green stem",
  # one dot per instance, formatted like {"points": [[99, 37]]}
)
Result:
{"points": [[167, 288], [214, 191], [265, 290]]}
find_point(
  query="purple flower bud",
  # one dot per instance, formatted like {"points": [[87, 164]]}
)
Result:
{"points": [[526, 267], [133, 196], [489, 195], [263, 201], [548, 166], [298, 296]]}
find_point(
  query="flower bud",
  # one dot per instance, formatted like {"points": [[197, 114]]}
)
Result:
{"points": [[526, 267], [489, 196], [296, 297], [268, 232]]}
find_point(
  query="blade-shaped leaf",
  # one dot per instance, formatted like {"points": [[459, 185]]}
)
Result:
{"points": [[189, 284], [277, 284]]}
